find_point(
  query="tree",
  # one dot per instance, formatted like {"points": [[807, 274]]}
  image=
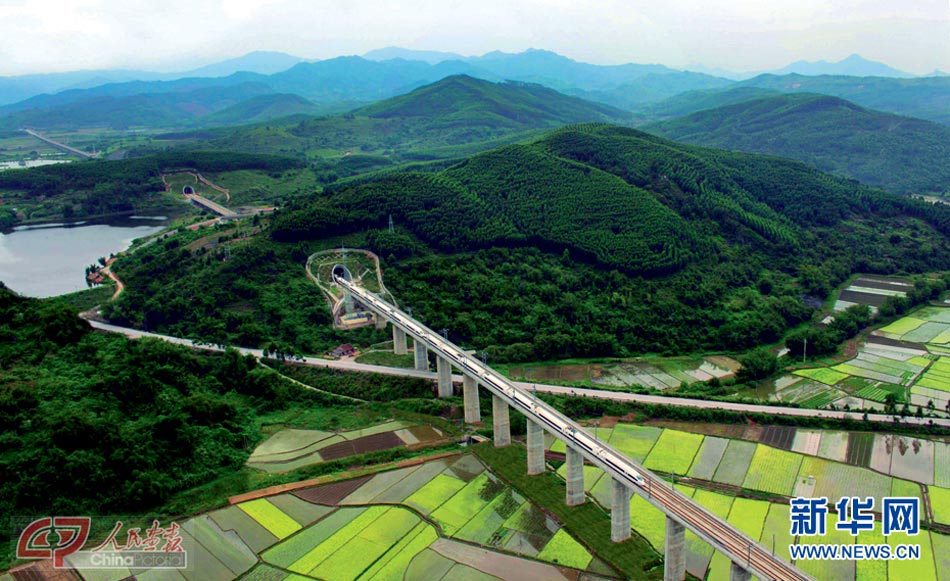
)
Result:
{"points": [[890, 404], [757, 364]]}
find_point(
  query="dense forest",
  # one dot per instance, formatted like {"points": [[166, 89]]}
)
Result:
{"points": [[93, 423], [595, 240]]}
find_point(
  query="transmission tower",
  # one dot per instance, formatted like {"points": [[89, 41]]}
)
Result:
{"points": [[391, 229]]}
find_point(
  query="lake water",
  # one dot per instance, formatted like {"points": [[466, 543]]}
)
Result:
{"points": [[49, 260], [30, 163]]}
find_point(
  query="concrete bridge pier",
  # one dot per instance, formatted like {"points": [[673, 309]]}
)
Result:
{"points": [[738, 573], [444, 368], [473, 412], [399, 341], [575, 478], [421, 353], [535, 448], [381, 321], [501, 424], [674, 561], [620, 512]]}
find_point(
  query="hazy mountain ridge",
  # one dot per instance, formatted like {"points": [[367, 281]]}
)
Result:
{"points": [[852, 66], [925, 98], [14, 89]]}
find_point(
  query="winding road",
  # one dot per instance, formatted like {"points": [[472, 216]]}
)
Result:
{"points": [[347, 365]]}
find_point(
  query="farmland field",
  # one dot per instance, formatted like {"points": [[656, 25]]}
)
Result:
{"points": [[941, 549], [940, 503], [699, 551], [834, 479], [433, 494], [292, 448], [634, 441], [773, 470], [807, 442], [807, 392], [926, 332], [905, 488], [904, 325], [749, 515], [648, 521], [462, 506], [913, 459], [270, 517], [879, 391], [937, 375], [776, 530], [296, 547], [834, 446], [827, 569], [922, 568], [823, 374], [673, 452], [942, 464], [708, 457], [735, 462], [391, 541], [562, 549]]}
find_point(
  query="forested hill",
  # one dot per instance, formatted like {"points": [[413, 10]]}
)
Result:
{"points": [[464, 98], [619, 196], [901, 154], [594, 240], [451, 118]]}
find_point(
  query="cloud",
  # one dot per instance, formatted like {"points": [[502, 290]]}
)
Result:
{"points": [[45, 35]]}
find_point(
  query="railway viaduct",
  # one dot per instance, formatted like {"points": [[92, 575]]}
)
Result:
{"points": [[682, 513]]}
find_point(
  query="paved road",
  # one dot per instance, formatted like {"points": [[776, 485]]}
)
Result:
{"points": [[349, 365], [211, 206]]}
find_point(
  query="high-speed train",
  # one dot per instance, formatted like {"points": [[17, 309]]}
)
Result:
{"points": [[530, 405]]}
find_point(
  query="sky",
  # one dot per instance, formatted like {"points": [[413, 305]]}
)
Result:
{"points": [[740, 35]]}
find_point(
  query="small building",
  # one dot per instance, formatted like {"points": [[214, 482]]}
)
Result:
{"points": [[344, 350]]}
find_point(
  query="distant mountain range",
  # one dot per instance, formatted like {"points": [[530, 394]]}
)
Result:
{"points": [[854, 66], [18, 88], [350, 81], [901, 154]]}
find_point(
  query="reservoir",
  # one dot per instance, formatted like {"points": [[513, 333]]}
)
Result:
{"points": [[51, 259]]}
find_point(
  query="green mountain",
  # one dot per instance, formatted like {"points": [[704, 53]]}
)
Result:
{"points": [[925, 97], [462, 99], [901, 154], [453, 117], [594, 240], [262, 108]]}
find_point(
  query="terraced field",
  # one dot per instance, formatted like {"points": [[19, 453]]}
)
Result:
{"points": [[292, 448]]}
